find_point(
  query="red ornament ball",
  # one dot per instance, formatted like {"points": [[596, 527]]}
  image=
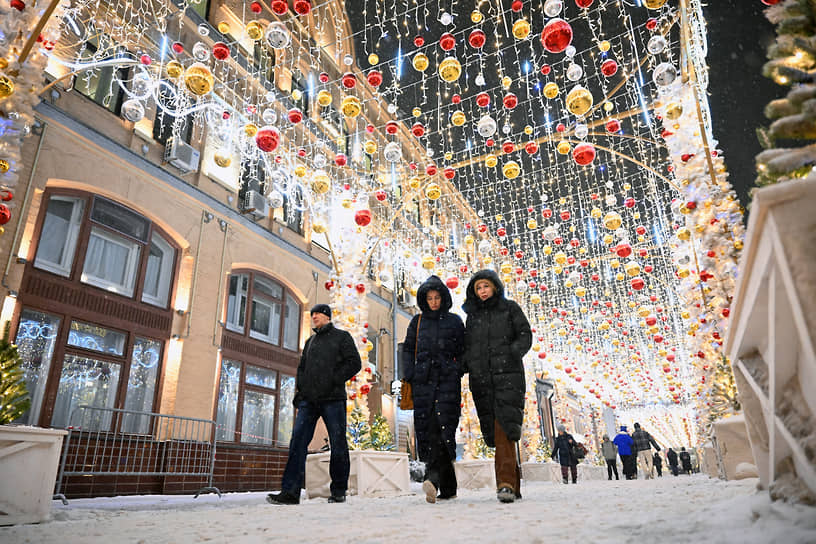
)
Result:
{"points": [[19, 5], [510, 101], [279, 6], [375, 78], [178, 48], [362, 217], [340, 159], [613, 125], [583, 154], [220, 51], [447, 41], [256, 7], [516, 5], [295, 116], [302, 7], [556, 36], [609, 68], [267, 139], [477, 39], [583, 3], [146, 60], [418, 130], [545, 69], [651, 23], [323, 77], [349, 80], [5, 214], [419, 41], [483, 100]]}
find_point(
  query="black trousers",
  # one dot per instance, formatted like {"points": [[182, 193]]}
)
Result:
{"points": [[439, 465], [612, 466], [659, 469]]}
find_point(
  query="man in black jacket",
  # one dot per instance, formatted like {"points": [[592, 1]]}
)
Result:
{"points": [[328, 361]]}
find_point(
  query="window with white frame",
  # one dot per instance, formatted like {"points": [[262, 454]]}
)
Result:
{"points": [[161, 258], [265, 319], [236, 302], [111, 262], [60, 231]]}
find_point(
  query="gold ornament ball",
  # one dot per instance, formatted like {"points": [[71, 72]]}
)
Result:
{"points": [[416, 112], [6, 87], [250, 130], [254, 30], [511, 170], [612, 220], [608, 107], [551, 90], [370, 147], [351, 106], [596, 213], [373, 59], [563, 147], [521, 29], [506, 82], [476, 16], [579, 100], [321, 182], [528, 130], [684, 234], [674, 111], [199, 79], [432, 191], [428, 262], [450, 69], [324, 97], [223, 27], [604, 46], [3, 63], [4, 166], [300, 171], [491, 160], [222, 158], [174, 69], [296, 94], [532, 224], [448, 156], [420, 62], [413, 182], [458, 118], [654, 4]]}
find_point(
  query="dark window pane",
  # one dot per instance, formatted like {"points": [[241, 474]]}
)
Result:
{"points": [[121, 219]]}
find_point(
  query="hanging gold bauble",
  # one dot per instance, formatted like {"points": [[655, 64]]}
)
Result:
{"points": [[413, 182], [223, 27], [604, 46], [579, 100], [476, 16], [199, 79], [674, 111], [174, 69], [532, 224], [324, 97], [432, 191], [4, 166], [370, 147], [3, 63], [416, 112], [612, 220], [296, 94], [351, 106], [563, 147], [250, 130], [321, 182], [458, 118], [580, 291], [6, 87], [551, 90], [222, 158], [491, 160], [254, 30], [428, 262], [632, 268], [560, 258], [683, 273], [596, 213], [300, 171], [521, 29], [528, 130], [319, 227], [683, 234], [469, 239], [450, 69], [654, 4], [373, 59], [511, 170], [420, 62], [506, 82]]}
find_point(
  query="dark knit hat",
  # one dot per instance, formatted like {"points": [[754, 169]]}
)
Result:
{"points": [[321, 309]]}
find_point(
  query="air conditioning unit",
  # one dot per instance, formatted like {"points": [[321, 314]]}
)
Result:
{"points": [[255, 204], [181, 155]]}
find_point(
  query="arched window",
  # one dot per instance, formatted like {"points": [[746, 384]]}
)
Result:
{"points": [[79, 344], [259, 358]]}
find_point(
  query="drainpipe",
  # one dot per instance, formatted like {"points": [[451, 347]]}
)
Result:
{"points": [[395, 354], [206, 217], [24, 206], [224, 226]]}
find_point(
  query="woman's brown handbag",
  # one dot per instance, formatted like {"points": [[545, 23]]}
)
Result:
{"points": [[406, 395]]}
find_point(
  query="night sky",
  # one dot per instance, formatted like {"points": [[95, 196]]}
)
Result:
{"points": [[738, 38]]}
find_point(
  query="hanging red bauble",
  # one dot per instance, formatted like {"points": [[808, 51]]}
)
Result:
{"points": [[146, 60], [362, 217], [302, 7], [256, 7], [340, 159], [556, 36], [583, 3], [295, 116], [651, 23], [369, 128], [418, 130], [360, 287], [267, 139], [583, 153], [301, 152], [560, 127], [323, 77], [545, 69], [349, 80], [452, 282], [510, 101], [221, 51], [447, 41], [483, 100], [623, 250], [375, 78], [547, 213], [431, 170], [501, 232], [508, 147], [419, 41], [329, 285], [6, 195], [477, 39], [449, 173], [609, 68], [516, 5], [5, 214], [380, 195], [531, 148], [638, 284], [456, 99], [391, 127], [613, 125], [482, 228], [771, 2], [629, 202], [648, 268], [490, 142], [279, 6], [19, 5], [178, 48], [565, 215]]}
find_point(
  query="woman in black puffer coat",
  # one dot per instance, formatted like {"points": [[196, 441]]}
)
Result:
{"points": [[433, 344], [497, 335]]}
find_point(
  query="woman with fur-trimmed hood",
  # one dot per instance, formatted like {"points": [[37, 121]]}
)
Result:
{"points": [[431, 352], [497, 335]]}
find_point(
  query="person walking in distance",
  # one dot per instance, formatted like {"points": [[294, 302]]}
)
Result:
{"points": [[626, 451], [671, 457], [497, 335], [563, 451], [433, 344], [610, 454], [328, 361], [685, 460], [643, 446], [658, 465]]}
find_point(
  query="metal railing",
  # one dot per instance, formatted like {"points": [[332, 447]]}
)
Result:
{"points": [[116, 442]]}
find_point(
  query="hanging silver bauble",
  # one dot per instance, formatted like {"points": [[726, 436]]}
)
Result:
{"points": [[656, 44], [480, 80], [201, 52], [664, 74], [570, 51], [553, 7], [486, 127], [277, 35], [446, 18], [392, 108], [550, 233], [203, 29], [320, 160], [141, 84], [574, 72], [348, 60], [484, 247], [581, 131], [506, 128], [392, 152], [610, 200], [275, 199], [269, 116], [133, 110]]}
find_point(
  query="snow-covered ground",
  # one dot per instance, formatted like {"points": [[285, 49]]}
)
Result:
{"points": [[689, 509]]}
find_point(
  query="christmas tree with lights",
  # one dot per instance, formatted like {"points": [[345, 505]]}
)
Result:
{"points": [[358, 431], [792, 63], [14, 399]]}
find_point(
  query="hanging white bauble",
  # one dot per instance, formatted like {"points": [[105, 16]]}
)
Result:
{"points": [[664, 74], [506, 128], [204, 29], [610, 200], [545, 197], [392, 152], [480, 80], [269, 116], [320, 160], [348, 60], [277, 35], [570, 51], [581, 131], [574, 276], [484, 247], [446, 18], [656, 44], [275, 199], [574, 72], [521, 286], [550, 233], [486, 127], [201, 52], [392, 108], [133, 110], [429, 152], [553, 7]]}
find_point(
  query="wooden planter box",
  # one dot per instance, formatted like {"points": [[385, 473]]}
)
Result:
{"points": [[29, 460], [475, 474], [770, 337], [373, 474], [541, 472]]}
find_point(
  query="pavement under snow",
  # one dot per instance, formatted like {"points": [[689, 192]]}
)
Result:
{"points": [[669, 509]]}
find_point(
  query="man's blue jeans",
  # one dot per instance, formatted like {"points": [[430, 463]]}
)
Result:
{"points": [[334, 416]]}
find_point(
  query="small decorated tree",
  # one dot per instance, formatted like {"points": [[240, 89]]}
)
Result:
{"points": [[381, 437], [14, 398], [358, 431]]}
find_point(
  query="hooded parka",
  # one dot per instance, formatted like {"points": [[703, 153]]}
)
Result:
{"points": [[497, 335], [435, 372]]}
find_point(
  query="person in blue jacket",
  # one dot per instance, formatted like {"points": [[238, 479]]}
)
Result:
{"points": [[627, 454]]}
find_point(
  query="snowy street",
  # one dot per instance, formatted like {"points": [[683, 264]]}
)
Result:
{"points": [[669, 509]]}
